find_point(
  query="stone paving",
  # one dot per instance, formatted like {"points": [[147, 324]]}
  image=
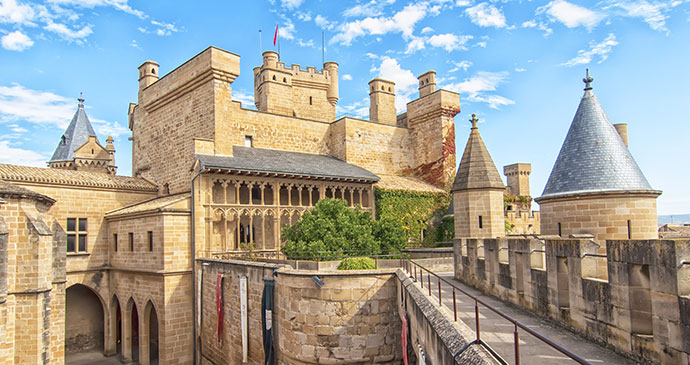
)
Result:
{"points": [[498, 332]]}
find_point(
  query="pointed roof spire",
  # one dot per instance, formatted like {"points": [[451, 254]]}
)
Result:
{"points": [[593, 157], [76, 134], [588, 81], [477, 169]]}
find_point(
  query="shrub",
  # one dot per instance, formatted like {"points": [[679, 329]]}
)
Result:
{"points": [[334, 227], [357, 263]]}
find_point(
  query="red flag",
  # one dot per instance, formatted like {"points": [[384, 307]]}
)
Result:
{"points": [[219, 306], [275, 37]]}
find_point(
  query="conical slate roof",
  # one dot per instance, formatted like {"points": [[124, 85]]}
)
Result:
{"points": [[477, 170], [76, 134], [593, 158]]}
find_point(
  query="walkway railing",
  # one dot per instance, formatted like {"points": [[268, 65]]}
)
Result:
{"points": [[417, 271]]}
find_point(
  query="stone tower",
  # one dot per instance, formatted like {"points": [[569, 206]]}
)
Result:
{"points": [[430, 119], [79, 148], [595, 186], [295, 92], [518, 178], [478, 192], [382, 102]]}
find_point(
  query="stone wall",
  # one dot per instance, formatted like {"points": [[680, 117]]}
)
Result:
{"points": [[604, 216], [433, 328], [351, 317], [634, 298]]}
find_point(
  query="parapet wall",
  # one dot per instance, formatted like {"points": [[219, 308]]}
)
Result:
{"points": [[634, 298]]}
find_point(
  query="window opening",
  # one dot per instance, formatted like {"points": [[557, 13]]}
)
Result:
{"points": [[150, 235], [131, 241], [248, 142], [76, 234], [481, 224]]}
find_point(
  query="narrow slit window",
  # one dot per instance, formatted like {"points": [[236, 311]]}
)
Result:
{"points": [[559, 229], [248, 141], [481, 223], [310, 102], [150, 235], [115, 241], [131, 241], [629, 231]]}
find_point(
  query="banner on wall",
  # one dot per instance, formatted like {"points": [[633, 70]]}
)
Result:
{"points": [[267, 321], [243, 317], [219, 307]]}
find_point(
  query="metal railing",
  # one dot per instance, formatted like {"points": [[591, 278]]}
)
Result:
{"points": [[417, 271]]}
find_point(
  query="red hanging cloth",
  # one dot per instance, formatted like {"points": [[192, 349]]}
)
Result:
{"points": [[219, 307]]}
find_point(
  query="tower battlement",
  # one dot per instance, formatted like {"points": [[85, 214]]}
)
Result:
{"points": [[293, 91]]}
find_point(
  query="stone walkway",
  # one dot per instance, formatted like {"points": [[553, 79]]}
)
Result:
{"points": [[91, 357], [498, 332]]}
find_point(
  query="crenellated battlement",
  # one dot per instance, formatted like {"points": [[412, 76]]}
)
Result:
{"points": [[293, 91], [633, 295]]}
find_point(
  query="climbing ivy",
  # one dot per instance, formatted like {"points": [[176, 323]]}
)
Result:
{"points": [[414, 210]]}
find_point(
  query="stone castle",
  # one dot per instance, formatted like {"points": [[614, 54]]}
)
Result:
{"points": [[93, 260]]}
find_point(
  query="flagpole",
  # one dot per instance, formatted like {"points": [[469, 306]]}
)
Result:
{"points": [[260, 48], [323, 47]]}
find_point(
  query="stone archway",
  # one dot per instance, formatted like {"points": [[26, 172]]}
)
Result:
{"points": [[150, 334], [131, 338], [84, 325]]}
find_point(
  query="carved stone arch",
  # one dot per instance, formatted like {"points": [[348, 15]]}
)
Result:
{"points": [[131, 331], [150, 331]]}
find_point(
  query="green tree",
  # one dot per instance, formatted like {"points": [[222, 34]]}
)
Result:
{"points": [[338, 230]]}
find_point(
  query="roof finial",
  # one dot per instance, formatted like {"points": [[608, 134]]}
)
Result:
{"points": [[588, 81], [474, 121], [81, 100]]}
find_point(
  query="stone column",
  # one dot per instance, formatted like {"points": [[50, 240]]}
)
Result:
{"points": [[126, 334], [224, 184], [143, 339]]}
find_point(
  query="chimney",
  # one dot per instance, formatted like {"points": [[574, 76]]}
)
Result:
{"points": [[382, 102], [622, 130], [427, 83]]}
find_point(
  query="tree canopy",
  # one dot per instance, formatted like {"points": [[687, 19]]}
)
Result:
{"points": [[334, 229]]}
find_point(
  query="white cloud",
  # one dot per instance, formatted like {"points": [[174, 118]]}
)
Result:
{"points": [[286, 30], [529, 24], [476, 87], [415, 44], [358, 109], [16, 41], [601, 49], [164, 28], [305, 17], [134, 44], [322, 22], [653, 14], [371, 8], [463, 3], [291, 4], [480, 44], [571, 15], [486, 15], [11, 12], [19, 156], [402, 22], [405, 81], [450, 42], [426, 30], [121, 5], [462, 65], [68, 34], [520, 69], [347, 77], [45, 108]]}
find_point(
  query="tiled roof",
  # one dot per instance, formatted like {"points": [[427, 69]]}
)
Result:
{"points": [[250, 160], [477, 169], [68, 177], [393, 182], [159, 204], [9, 189], [593, 158], [76, 134]]}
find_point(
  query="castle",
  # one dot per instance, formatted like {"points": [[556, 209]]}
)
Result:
{"points": [[114, 256], [93, 260]]}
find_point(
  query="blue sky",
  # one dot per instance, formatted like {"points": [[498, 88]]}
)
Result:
{"points": [[517, 64]]}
